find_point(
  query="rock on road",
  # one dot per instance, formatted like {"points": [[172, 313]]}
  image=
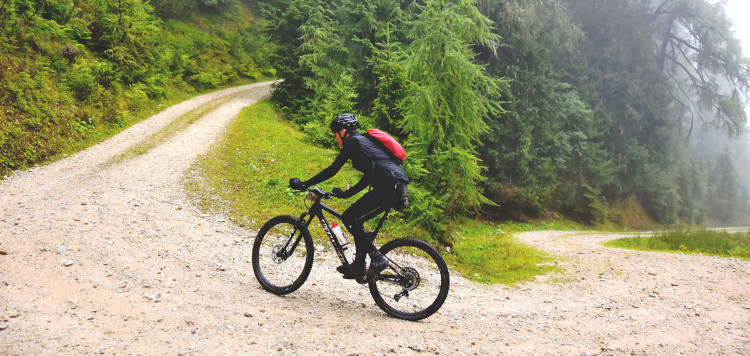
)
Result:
{"points": [[100, 258]]}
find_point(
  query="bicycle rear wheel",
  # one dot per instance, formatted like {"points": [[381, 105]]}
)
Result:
{"points": [[282, 255], [416, 283]]}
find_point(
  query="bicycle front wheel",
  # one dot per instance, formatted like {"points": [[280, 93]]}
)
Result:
{"points": [[282, 255], [416, 283]]}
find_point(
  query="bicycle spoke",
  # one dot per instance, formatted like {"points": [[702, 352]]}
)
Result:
{"points": [[280, 266], [417, 285]]}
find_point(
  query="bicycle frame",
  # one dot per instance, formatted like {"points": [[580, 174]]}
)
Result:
{"points": [[317, 209]]}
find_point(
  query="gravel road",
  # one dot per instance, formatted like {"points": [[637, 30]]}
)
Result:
{"points": [[100, 258]]}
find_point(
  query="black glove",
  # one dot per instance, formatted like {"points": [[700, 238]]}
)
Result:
{"points": [[296, 184], [338, 193]]}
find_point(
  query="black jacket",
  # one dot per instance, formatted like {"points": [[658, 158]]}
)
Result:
{"points": [[377, 166]]}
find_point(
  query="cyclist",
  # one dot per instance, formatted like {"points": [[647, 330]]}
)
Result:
{"points": [[380, 171]]}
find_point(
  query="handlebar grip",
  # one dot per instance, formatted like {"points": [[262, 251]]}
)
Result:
{"points": [[296, 184]]}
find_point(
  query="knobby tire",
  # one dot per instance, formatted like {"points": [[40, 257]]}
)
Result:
{"points": [[417, 301], [276, 273]]}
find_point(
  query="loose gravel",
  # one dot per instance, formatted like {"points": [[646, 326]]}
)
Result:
{"points": [[102, 258]]}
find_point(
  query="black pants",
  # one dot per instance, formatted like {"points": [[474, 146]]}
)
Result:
{"points": [[369, 206]]}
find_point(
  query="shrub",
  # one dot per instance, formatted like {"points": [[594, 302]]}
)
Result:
{"points": [[81, 80], [204, 80]]}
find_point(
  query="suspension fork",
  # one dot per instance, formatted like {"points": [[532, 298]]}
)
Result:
{"points": [[286, 250]]}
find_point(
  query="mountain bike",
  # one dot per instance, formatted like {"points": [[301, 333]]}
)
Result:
{"points": [[413, 287]]}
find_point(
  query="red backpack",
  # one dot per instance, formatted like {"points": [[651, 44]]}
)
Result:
{"points": [[388, 143]]}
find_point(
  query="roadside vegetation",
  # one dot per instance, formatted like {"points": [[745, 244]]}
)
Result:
{"points": [[245, 176], [73, 73], [697, 241], [488, 253]]}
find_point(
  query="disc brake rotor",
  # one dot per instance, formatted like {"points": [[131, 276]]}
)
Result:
{"points": [[278, 255]]}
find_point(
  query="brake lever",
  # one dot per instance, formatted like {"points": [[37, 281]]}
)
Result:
{"points": [[314, 193]]}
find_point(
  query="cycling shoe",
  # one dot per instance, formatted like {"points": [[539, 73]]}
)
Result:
{"points": [[355, 270], [351, 272], [378, 264]]}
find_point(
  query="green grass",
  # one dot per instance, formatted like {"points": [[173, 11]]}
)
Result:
{"points": [[245, 176], [560, 225], [489, 253], [707, 242]]}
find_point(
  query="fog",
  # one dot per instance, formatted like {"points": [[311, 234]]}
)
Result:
{"points": [[736, 10]]}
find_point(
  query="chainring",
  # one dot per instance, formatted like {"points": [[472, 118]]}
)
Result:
{"points": [[410, 277]]}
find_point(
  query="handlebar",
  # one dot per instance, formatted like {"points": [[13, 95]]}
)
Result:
{"points": [[314, 193]]}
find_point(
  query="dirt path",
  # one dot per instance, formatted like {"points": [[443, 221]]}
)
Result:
{"points": [[113, 259]]}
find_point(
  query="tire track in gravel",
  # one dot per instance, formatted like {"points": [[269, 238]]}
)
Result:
{"points": [[148, 273]]}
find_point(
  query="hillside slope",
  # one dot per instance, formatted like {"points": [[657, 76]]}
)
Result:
{"points": [[75, 72]]}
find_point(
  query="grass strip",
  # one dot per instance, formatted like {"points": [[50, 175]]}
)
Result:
{"points": [[170, 130], [490, 254], [701, 241]]}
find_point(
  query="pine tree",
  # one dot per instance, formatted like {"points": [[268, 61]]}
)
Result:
{"points": [[331, 81], [391, 85], [447, 103]]}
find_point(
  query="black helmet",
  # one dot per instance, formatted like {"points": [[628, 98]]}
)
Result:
{"points": [[344, 121]]}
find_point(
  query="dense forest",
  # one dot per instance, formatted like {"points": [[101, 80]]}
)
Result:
{"points": [[510, 109], [522, 109]]}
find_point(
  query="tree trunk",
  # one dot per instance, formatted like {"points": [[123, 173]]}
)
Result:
{"points": [[70, 14], [665, 43]]}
